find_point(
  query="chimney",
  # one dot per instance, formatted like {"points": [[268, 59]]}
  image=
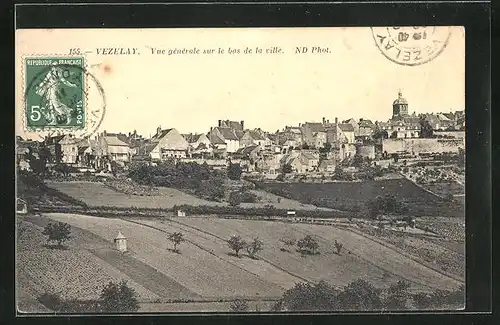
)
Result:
{"points": [[104, 133], [327, 121], [158, 130], [220, 123], [324, 120], [336, 120], [242, 125]]}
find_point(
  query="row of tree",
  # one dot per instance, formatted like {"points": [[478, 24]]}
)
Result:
{"points": [[359, 295]]}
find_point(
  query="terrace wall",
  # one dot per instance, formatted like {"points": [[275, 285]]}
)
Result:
{"points": [[417, 146], [455, 134]]}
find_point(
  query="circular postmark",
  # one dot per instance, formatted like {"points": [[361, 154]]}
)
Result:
{"points": [[56, 100], [412, 45]]}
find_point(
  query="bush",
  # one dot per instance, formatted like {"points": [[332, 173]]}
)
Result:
{"points": [[309, 297], [385, 204], [238, 306], [289, 242], [237, 197], [308, 245], [338, 246], [119, 297], [58, 232], [397, 296], [200, 179], [234, 172], [360, 295], [254, 247]]}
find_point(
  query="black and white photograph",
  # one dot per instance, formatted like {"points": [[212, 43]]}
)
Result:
{"points": [[240, 170]]}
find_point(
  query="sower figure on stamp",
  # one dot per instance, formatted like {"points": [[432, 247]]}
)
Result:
{"points": [[49, 89]]}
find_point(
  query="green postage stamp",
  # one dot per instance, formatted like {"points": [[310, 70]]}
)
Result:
{"points": [[55, 92]]}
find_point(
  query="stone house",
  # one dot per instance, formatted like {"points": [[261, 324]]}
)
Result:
{"points": [[255, 137], [168, 143], [199, 145], [314, 134], [113, 147], [228, 136]]}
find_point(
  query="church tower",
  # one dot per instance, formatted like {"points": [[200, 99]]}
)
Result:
{"points": [[399, 106]]}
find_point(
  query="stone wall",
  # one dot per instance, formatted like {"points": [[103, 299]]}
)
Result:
{"points": [[417, 146], [454, 134]]}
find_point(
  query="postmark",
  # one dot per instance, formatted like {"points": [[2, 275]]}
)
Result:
{"points": [[56, 98], [411, 45]]}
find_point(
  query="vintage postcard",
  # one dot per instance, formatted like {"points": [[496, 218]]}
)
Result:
{"points": [[240, 170]]}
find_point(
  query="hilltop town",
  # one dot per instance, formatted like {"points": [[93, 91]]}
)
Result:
{"points": [[240, 218], [310, 148]]}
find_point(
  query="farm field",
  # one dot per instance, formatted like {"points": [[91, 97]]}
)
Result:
{"points": [[205, 273], [368, 259], [98, 194], [445, 188], [194, 268], [354, 195], [74, 273], [443, 254]]}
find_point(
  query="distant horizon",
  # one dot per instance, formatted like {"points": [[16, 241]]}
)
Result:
{"points": [[153, 132]]}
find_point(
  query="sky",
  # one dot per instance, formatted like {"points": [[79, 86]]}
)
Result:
{"points": [[192, 92]]}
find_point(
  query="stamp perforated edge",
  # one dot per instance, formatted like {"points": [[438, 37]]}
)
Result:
{"points": [[22, 103]]}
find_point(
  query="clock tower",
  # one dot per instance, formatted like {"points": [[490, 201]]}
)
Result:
{"points": [[399, 106]]}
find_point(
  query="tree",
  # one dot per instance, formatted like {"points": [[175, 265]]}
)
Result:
{"points": [[338, 246], [58, 232], [176, 238], [287, 168], [39, 164], [254, 247], [384, 204], [360, 295], [308, 245], [236, 244], [65, 169], [380, 134], [119, 297], [426, 130], [238, 306], [309, 297], [234, 172], [397, 296], [234, 199], [289, 242], [357, 161]]}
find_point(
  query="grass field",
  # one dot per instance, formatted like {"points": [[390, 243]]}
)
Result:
{"points": [[204, 273], [74, 272], [98, 194], [354, 195], [206, 267]]}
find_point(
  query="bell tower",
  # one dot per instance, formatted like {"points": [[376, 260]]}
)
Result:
{"points": [[400, 106]]}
